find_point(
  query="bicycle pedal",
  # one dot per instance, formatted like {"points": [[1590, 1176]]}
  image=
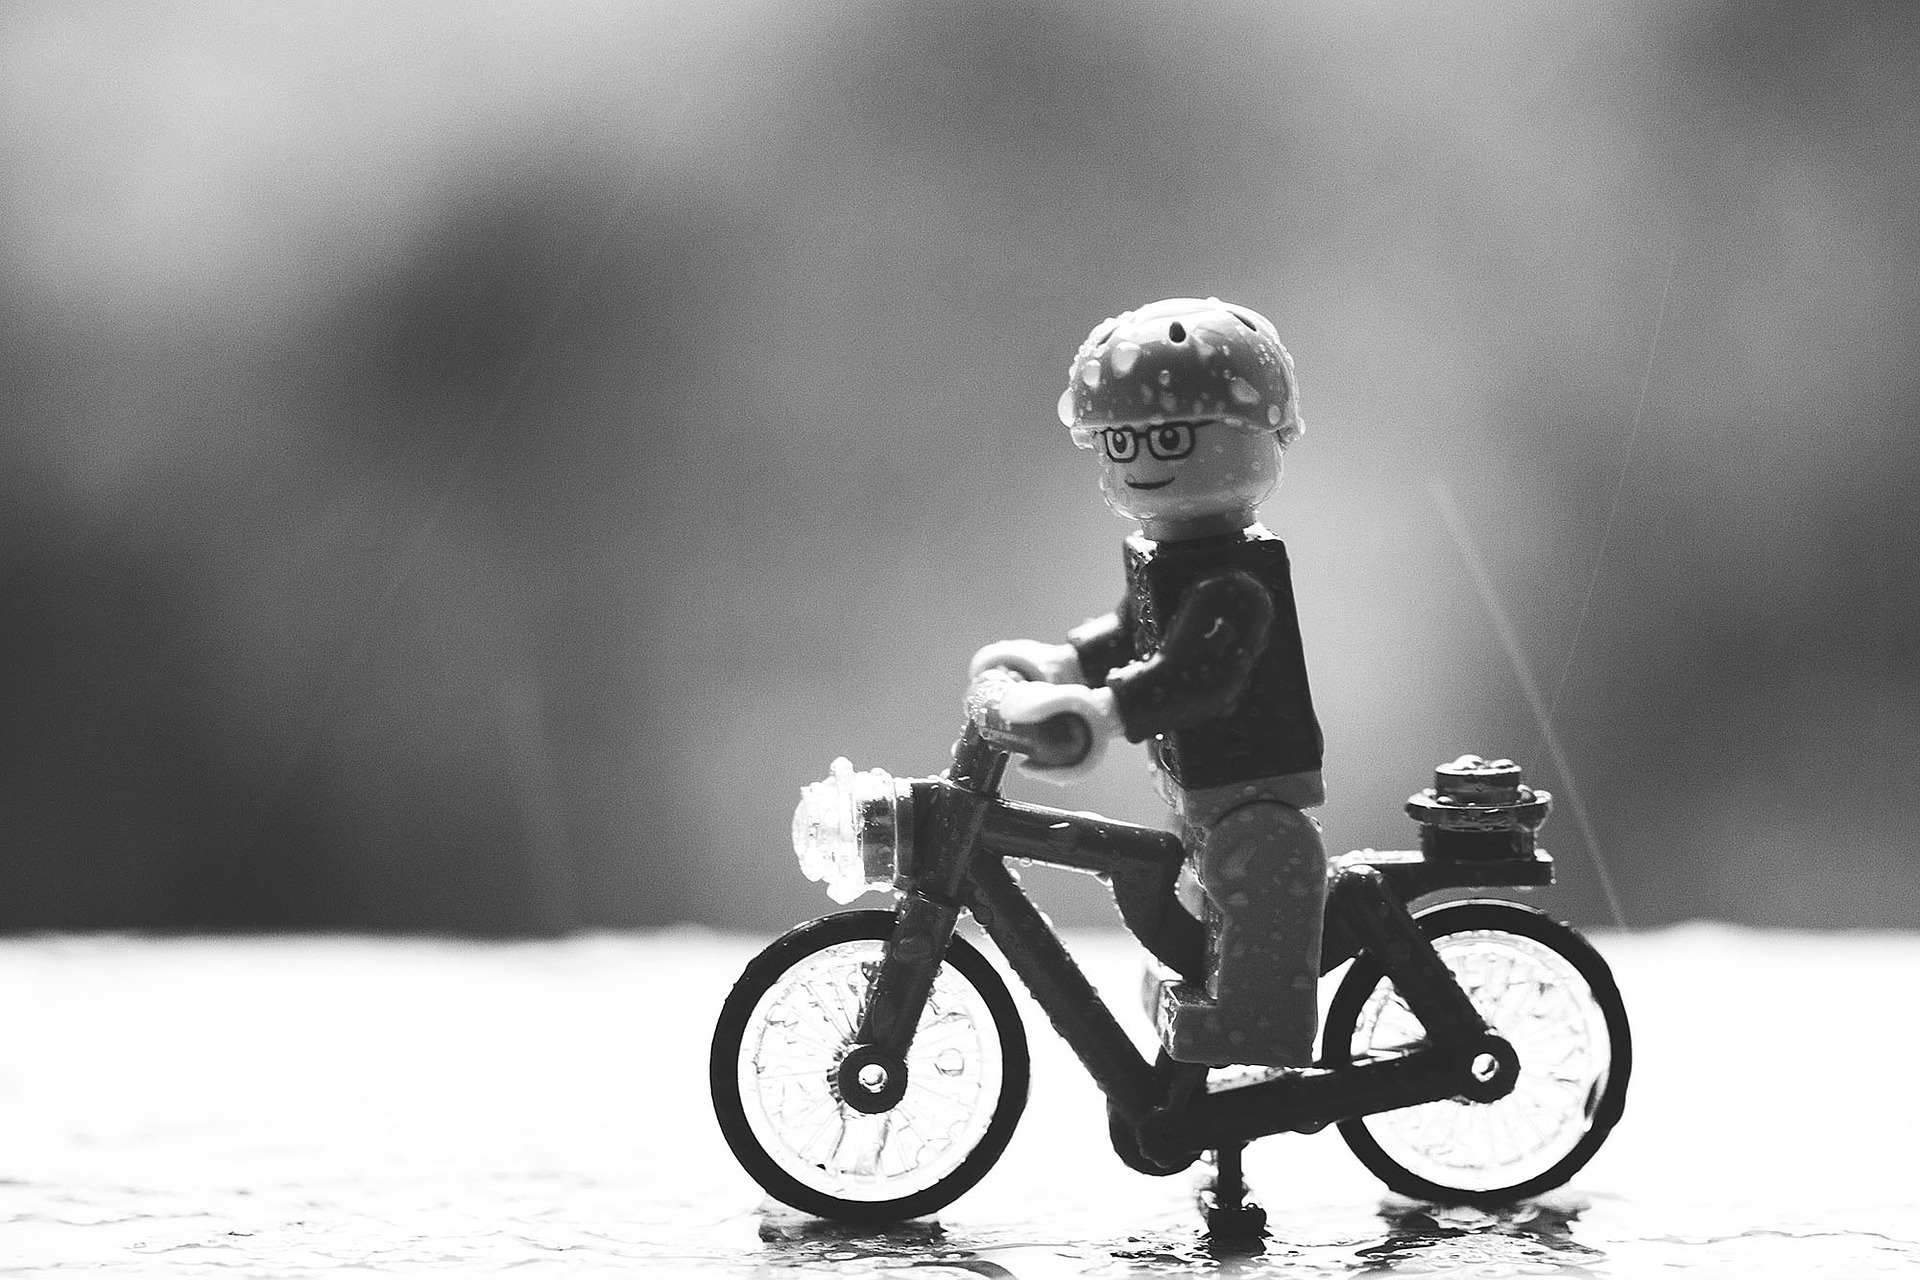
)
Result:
{"points": [[1245, 1221]]}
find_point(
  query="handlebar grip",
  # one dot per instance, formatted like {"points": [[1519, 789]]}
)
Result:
{"points": [[1060, 742]]}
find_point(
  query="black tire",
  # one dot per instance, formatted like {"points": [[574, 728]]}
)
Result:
{"points": [[785, 1027], [1560, 1003]]}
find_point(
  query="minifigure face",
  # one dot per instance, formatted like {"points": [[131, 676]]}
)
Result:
{"points": [[1177, 474]]}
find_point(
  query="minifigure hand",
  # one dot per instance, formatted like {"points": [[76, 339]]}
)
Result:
{"points": [[1050, 663], [1067, 727]]}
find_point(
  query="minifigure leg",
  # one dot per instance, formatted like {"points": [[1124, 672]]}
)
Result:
{"points": [[1263, 869]]}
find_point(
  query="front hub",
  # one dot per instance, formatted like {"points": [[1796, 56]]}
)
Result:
{"points": [[1492, 1069], [870, 1080]]}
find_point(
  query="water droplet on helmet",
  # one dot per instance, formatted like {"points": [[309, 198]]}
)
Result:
{"points": [[1273, 414], [1166, 377], [1124, 354], [1065, 407], [1090, 373], [1243, 391]]}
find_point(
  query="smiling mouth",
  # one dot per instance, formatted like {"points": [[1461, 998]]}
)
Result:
{"points": [[1157, 484]]}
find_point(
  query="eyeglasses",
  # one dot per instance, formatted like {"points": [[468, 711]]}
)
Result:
{"points": [[1169, 441]]}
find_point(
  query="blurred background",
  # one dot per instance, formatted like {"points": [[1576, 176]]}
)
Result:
{"points": [[466, 466]]}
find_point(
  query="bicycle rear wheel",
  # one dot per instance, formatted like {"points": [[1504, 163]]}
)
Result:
{"points": [[1547, 991], [781, 1035]]}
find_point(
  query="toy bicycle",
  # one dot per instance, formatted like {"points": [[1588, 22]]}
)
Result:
{"points": [[871, 1066]]}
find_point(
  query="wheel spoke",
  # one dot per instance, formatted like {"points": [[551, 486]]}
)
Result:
{"points": [[832, 1010], [792, 1073]]}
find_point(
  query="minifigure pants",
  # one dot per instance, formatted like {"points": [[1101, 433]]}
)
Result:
{"points": [[1262, 871]]}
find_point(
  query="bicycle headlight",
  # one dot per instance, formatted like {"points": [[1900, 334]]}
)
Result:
{"points": [[853, 831]]}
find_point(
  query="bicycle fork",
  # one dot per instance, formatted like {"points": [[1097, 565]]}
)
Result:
{"points": [[872, 1075]]}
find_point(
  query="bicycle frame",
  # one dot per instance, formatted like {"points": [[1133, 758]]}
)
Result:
{"points": [[963, 834]]}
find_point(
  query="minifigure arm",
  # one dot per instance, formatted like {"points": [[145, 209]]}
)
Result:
{"points": [[1204, 662], [1104, 643]]}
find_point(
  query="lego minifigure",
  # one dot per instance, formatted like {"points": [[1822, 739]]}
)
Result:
{"points": [[871, 1066], [1190, 403]]}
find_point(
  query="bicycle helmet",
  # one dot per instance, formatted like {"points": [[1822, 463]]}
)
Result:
{"points": [[1182, 360]]}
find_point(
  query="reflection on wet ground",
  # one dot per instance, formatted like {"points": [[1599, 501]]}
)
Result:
{"points": [[1562, 1234], [1534, 1238]]}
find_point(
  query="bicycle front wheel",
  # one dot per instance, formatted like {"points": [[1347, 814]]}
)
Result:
{"points": [[1547, 991], [782, 1033]]}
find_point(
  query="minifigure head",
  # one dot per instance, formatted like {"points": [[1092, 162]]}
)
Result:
{"points": [[1187, 479], [1190, 403]]}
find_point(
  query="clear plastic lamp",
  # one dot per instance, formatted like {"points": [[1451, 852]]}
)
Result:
{"points": [[847, 830]]}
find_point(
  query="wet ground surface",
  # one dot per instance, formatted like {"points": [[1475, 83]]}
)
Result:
{"points": [[353, 1107]]}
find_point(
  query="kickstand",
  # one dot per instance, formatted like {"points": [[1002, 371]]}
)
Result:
{"points": [[1230, 1215]]}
